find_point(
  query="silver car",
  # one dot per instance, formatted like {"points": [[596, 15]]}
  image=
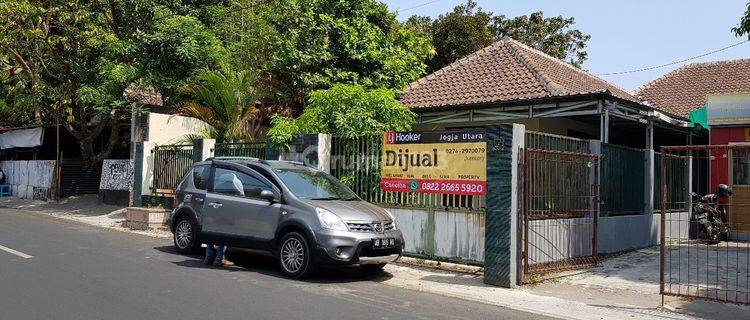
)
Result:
{"points": [[301, 216]]}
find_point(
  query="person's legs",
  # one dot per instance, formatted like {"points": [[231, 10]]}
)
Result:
{"points": [[220, 252], [220, 260], [211, 254]]}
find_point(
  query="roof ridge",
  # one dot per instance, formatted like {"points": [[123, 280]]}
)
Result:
{"points": [[548, 84], [452, 65], [713, 62], [570, 66]]}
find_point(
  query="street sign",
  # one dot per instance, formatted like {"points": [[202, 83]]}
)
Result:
{"points": [[445, 162]]}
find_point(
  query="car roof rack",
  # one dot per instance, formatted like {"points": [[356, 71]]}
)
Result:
{"points": [[299, 163], [234, 159]]}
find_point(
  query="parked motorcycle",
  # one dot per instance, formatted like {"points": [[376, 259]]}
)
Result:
{"points": [[710, 216]]}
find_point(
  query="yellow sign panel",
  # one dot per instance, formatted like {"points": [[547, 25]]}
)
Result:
{"points": [[449, 162]]}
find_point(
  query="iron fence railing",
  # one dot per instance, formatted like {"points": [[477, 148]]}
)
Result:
{"points": [[241, 149], [171, 162], [356, 162], [677, 175], [548, 141], [560, 221]]}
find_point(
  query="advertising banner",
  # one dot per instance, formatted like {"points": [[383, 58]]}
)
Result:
{"points": [[728, 109], [445, 162]]}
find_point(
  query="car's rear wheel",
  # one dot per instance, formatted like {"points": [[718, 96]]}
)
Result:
{"points": [[185, 235], [294, 256]]}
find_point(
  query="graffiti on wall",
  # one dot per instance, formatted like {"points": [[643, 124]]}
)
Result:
{"points": [[30, 179], [117, 175]]}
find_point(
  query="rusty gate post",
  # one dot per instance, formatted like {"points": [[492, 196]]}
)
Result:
{"points": [[501, 258]]}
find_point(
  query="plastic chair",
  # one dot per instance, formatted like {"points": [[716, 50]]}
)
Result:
{"points": [[5, 190]]}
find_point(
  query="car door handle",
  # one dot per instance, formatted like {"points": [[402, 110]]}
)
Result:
{"points": [[215, 205], [198, 199]]}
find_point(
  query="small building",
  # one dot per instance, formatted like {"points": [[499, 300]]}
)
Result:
{"points": [[511, 82], [712, 95], [563, 108]]}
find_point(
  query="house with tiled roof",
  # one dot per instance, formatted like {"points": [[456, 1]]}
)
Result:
{"points": [[715, 95], [566, 111], [684, 90], [511, 82]]}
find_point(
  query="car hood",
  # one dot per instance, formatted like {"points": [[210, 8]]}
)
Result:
{"points": [[353, 210]]}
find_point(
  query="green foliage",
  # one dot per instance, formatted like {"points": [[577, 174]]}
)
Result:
{"points": [[317, 43], [550, 35], [346, 110], [467, 29], [246, 35], [744, 27], [70, 61], [225, 101], [175, 48], [463, 31]]}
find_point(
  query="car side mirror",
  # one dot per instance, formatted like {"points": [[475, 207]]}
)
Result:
{"points": [[268, 195]]}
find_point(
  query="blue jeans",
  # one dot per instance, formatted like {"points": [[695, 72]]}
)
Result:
{"points": [[217, 251]]}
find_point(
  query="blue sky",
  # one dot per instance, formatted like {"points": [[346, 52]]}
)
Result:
{"points": [[627, 35]]}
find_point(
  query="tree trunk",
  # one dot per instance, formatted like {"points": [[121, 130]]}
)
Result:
{"points": [[87, 137]]}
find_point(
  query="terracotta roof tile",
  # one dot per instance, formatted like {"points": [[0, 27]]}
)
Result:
{"points": [[684, 89], [504, 71], [146, 96]]}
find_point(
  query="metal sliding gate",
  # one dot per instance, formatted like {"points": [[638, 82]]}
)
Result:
{"points": [[692, 263], [560, 201]]}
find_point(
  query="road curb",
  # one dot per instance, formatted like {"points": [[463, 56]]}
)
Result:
{"points": [[440, 265]]}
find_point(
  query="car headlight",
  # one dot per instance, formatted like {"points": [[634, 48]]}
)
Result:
{"points": [[330, 221], [393, 218]]}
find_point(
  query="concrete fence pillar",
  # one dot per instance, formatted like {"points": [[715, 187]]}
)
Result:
{"points": [[203, 149], [649, 170], [324, 152], [143, 171], [304, 149], [502, 249], [648, 183]]}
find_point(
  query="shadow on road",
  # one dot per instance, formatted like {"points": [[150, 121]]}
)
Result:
{"points": [[247, 261]]}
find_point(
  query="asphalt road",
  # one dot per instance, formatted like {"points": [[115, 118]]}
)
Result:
{"points": [[78, 271]]}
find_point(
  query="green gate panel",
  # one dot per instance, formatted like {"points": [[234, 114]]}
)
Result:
{"points": [[498, 224]]}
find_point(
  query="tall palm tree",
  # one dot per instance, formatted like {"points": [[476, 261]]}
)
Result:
{"points": [[226, 102]]}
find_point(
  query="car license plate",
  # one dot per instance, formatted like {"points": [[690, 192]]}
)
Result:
{"points": [[383, 243]]}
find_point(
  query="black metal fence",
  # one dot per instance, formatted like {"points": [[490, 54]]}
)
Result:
{"points": [[624, 178], [698, 259], [171, 162], [560, 204], [241, 149]]}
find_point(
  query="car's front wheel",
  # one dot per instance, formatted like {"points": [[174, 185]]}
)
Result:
{"points": [[185, 235], [294, 256]]}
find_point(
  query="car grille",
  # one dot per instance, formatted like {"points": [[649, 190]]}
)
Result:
{"points": [[369, 226], [359, 227]]}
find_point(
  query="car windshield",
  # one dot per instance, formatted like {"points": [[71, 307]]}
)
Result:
{"points": [[314, 185]]}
